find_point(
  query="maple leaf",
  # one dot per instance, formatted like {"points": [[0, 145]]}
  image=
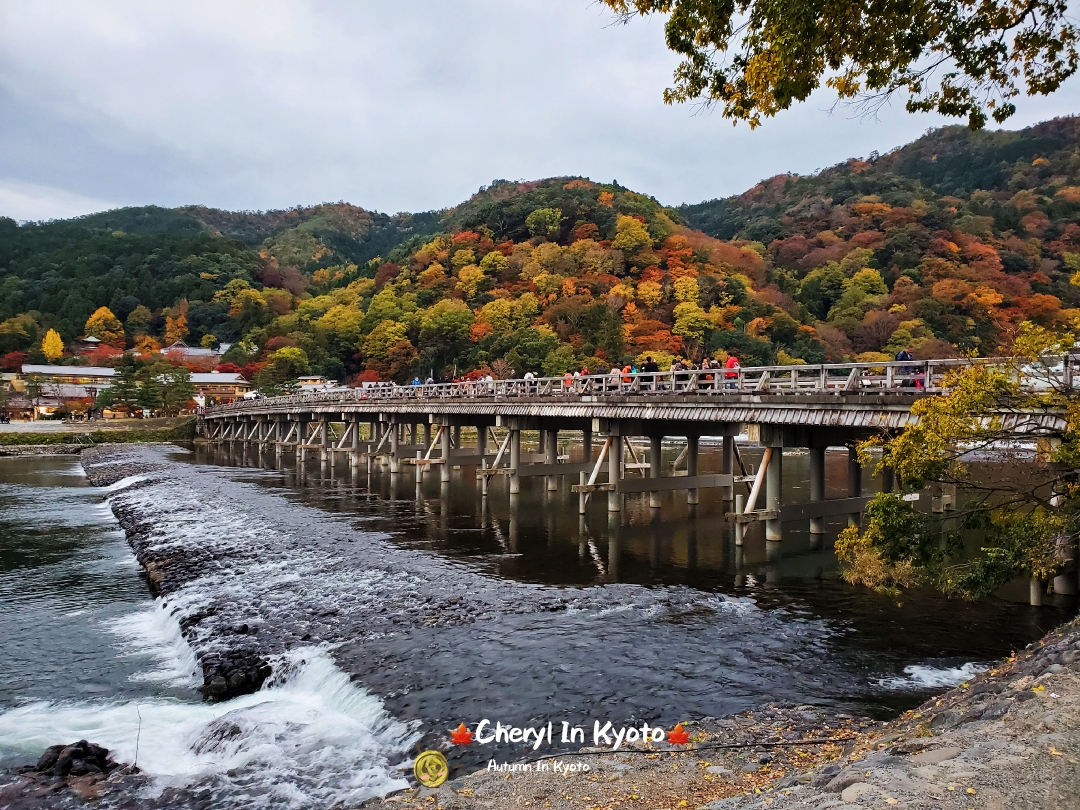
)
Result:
{"points": [[461, 735], [678, 736]]}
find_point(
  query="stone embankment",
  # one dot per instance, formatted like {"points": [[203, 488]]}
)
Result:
{"points": [[240, 667], [1009, 739]]}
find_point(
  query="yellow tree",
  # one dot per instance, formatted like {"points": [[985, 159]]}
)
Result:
{"points": [[175, 328], [52, 346], [106, 327]]}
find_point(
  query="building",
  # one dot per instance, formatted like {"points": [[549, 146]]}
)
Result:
{"points": [[215, 387], [181, 351], [46, 389]]}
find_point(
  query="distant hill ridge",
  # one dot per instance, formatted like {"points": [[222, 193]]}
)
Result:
{"points": [[944, 245]]}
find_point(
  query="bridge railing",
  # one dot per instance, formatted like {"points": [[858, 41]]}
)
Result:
{"points": [[902, 377]]}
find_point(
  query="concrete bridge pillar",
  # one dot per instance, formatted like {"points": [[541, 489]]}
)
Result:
{"points": [[551, 456], [481, 450], [354, 449], [774, 477], [692, 465], [817, 493], [301, 440], [854, 482], [323, 443], [395, 434], [615, 466], [444, 470], [515, 460], [656, 447], [727, 466]]}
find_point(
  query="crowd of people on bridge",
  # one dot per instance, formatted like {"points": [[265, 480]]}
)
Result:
{"points": [[683, 376]]}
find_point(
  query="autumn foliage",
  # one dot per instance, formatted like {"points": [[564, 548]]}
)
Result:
{"points": [[944, 246]]}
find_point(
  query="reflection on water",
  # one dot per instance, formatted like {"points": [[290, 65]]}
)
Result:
{"points": [[538, 535]]}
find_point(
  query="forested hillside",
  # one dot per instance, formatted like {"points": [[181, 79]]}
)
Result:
{"points": [[944, 245]]}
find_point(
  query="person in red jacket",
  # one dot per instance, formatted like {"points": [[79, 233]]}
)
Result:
{"points": [[732, 372]]}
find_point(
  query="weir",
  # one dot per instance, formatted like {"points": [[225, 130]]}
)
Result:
{"points": [[610, 420]]}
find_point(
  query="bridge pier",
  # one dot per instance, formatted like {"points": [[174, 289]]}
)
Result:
{"points": [[817, 494], [395, 440], [854, 482], [444, 470], [354, 447], [615, 469], [773, 490], [515, 461], [692, 466], [481, 450], [656, 446], [551, 456]]}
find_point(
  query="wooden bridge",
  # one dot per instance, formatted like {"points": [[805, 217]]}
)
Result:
{"points": [[808, 406]]}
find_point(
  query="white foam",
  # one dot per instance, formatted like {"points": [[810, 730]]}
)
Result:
{"points": [[154, 631], [928, 677], [312, 740], [124, 483]]}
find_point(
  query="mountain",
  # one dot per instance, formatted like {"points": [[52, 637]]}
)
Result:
{"points": [[945, 245]]}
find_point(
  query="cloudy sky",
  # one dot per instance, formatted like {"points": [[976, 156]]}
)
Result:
{"points": [[394, 106]]}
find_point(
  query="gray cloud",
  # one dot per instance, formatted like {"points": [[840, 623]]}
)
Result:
{"points": [[408, 105]]}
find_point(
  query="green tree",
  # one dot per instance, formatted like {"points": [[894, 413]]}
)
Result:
{"points": [[150, 392], [1021, 518], [527, 349], [822, 288], [176, 390], [249, 310], [959, 59], [286, 364], [444, 331], [544, 222], [124, 391], [559, 361], [138, 322]]}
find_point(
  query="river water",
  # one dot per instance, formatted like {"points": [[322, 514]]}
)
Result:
{"points": [[390, 615]]}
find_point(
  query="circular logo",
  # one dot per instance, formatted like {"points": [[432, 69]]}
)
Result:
{"points": [[431, 769]]}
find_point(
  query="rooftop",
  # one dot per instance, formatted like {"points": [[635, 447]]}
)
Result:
{"points": [[220, 378], [70, 371]]}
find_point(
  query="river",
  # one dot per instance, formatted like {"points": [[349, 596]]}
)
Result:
{"points": [[390, 616]]}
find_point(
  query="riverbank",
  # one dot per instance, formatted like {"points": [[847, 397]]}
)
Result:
{"points": [[1009, 738], [49, 438]]}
